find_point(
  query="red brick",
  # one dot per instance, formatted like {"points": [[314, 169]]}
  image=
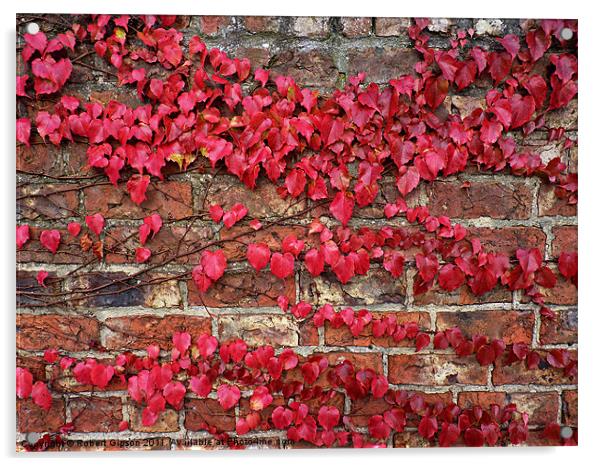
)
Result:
{"points": [[550, 204], [243, 289], [121, 244], [260, 24], [382, 63], [435, 369], [542, 408], [565, 239], [69, 333], [261, 202], [200, 413], [94, 414], [170, 199], [315, 27], [378, 286], [562, 330], [32, 418], [518, 374], [167, 421], [35, 364], [356, 27], [462, 296], [258, 56], [565, 292], [308, 334], [510, 326], [482, 199], [39, 158], [137, 332], [570, 407], [342, 336], [50, 201], [391, 26], [77, 160], [214, 25], [296, 63], [507, 240], [69, 251]]}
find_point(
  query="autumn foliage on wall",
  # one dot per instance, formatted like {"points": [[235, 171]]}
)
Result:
{"points": [[208, 248]]}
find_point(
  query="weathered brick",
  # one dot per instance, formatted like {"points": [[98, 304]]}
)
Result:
{"points": [[565, 117], [315, 27], [295, 63], [68, 252], [561, 330], [342, 336], [378, 286], [490, 26], [137, 332], [570, 411], [308, 334], [518, 374], [207, 412], [167, 421], [409, 439], [261, 329], [550, 204], [260, 24], [35, 364], [261, 202], [465, 105], [565, 292], [259, 57], [508, 239], [243, 288], [32, 418], [510, 326], [435, 369], [461, 296], [95, 414], [169, 199], [482, 199], [381, 63], [70, 333], [565, 239], [50, 201], [121, 244], [39, 158], [542, 408], [105, 290], [391, 26], [356, 27], [214, 25]]}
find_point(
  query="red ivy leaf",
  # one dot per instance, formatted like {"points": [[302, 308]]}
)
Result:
{"points": [[136, 186]]}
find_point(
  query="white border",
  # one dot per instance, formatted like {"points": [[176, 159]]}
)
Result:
{"points": [[590, 168]]}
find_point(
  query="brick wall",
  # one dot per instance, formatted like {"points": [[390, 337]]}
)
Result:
{"points": [[506, 212]]}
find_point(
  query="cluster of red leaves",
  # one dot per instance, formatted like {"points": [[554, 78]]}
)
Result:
{"points": [[204, 366], [201, 108]]}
